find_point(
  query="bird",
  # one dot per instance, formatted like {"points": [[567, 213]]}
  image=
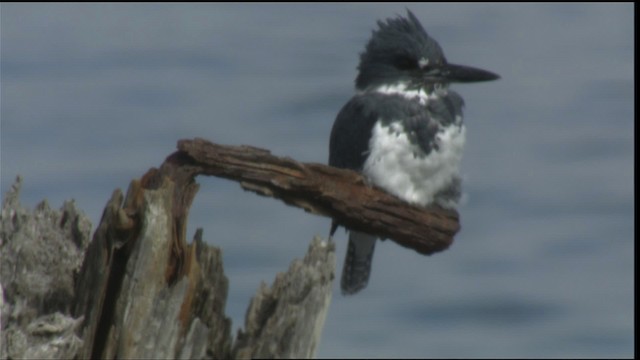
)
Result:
{"points": [[403, 129]]}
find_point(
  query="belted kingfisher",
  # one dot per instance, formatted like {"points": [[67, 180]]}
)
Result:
{"points": [[403, 129]]}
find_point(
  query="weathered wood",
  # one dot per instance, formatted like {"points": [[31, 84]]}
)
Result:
{"points": [[40, 252], [143, 291], [138, 300], [286, 320], [320, 189], [140, 290]]}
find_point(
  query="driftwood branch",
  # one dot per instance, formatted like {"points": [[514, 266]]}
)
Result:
{"points": [[320, 189]]}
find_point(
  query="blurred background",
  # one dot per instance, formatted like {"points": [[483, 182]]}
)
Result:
{"points": [[95, 94]]}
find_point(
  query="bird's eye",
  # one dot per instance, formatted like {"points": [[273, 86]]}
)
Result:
{"points": [[405, 63]]}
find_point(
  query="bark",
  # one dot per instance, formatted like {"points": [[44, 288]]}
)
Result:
{"points": [[323, 190]]}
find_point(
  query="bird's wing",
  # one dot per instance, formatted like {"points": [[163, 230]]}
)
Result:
{"points": [[349, 142]]}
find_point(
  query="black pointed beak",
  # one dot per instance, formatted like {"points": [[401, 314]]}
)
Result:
{"points": [[460, 73]]}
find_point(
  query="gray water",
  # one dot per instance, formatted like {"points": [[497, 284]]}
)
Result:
{"points": [[95, 94]]}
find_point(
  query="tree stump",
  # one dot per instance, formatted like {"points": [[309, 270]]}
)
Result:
{"points": [[138, 289]]}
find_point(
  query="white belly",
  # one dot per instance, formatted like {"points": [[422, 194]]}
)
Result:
{"points": [[393, 165]]}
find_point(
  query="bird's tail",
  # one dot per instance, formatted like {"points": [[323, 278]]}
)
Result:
{"points": [[357, 262]]}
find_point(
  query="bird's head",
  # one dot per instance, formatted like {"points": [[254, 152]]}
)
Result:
{"points": [[400, 51]]}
